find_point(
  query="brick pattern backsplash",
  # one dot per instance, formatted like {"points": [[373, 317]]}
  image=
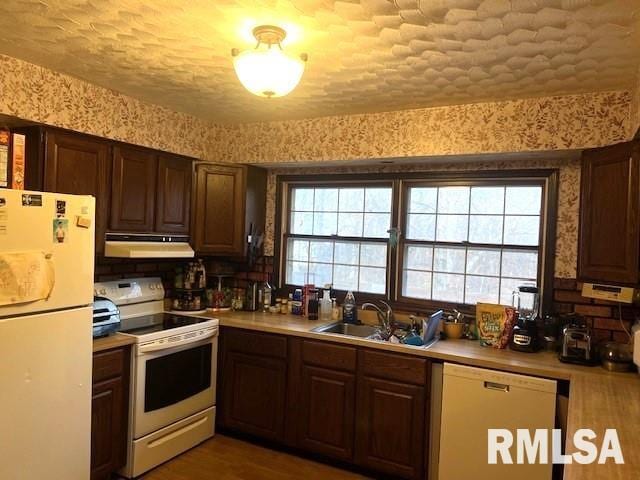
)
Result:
{"points": [[107, 269], [601, 315]]}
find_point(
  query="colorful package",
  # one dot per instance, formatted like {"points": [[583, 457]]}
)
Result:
{"points": [[495, 324]]}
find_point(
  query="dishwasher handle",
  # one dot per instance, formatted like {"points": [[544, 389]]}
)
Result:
{"points": [[502, 387]]}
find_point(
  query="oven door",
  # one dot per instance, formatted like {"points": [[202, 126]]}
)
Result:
{"points": [[173, 382]]}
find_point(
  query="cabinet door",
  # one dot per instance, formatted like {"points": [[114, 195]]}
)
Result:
{"points": [[108, 428], [390, 427], [254, 389], [173, 199], [220, 203], [79, 165], [327, 412], [133, 189], [610, 210]]}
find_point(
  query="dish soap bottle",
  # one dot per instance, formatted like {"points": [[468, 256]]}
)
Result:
{"points": [[349, 309]]}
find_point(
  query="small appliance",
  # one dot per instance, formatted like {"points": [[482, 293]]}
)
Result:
{"points": [[525, 332], [106, 317], [577, 343]]}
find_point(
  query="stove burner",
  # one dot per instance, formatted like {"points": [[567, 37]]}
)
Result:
{"points": [[158, 322]]}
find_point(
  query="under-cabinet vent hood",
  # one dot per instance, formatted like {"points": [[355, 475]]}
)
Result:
{"points": [[128, 245]]}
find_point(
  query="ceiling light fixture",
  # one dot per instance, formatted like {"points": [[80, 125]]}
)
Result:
{"points": [[267, 71]]}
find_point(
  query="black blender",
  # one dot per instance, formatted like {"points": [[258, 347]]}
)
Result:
{"points": [[525, 333]]}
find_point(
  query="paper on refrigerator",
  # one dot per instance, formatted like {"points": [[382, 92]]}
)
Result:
{"points": [[25, 277]]}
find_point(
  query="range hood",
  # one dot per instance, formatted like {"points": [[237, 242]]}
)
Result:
{"points": [[131, 245]]}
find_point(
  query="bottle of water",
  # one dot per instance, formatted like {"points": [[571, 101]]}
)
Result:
{"points": [[326, 304], [349, 309]]}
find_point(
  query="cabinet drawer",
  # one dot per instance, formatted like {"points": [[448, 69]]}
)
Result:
{"points": [[393, 367], [108, 364], [266, 344], [329, 355]]}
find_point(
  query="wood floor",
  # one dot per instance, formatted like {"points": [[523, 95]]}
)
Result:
{"points": [[225, 458]]}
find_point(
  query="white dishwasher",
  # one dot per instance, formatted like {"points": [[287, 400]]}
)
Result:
{"points": [[475, 400]]}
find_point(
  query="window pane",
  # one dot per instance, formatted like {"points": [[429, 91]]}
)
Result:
{"points": [[350, 224], [452, 228], [519, 264], [376, 225], [447, 287], [508, 286], [521, 230], [352, 199], [421, 227], [325, 223], [423, 200], [449, 260], [418, 258], [348, 253], [302, 223], [487, 200], [326, 200], [416, 284], [321, 252], [296, 273], [377, 200], [453, 200], [483, 262], [373, 280], [298, 250], [485, 229], [481, 289], [320, 273], [523, 200], [345, 277], [302, 199], [373, 254]]}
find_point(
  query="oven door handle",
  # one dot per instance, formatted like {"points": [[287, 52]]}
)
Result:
{"points": [[166, 345]]}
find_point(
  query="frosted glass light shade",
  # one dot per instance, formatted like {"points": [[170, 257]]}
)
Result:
{"points": [[268, 72]]}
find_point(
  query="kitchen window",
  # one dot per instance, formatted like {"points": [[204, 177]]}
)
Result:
{"points": [[420, 239], [470, 243], [338, 235]]}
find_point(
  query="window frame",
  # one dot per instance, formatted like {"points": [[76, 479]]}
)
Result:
{"points": [[285, 223], [548, 178]]}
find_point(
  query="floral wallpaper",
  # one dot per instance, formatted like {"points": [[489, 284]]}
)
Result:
{"points": [[37, 94], [568, 196], [551, 123]]}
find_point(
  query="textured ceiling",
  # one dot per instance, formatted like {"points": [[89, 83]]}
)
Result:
{"points": [[364, 55]]}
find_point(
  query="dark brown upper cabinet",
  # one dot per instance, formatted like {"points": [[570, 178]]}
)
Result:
{"points": [[173, 200], [228, 203], [609, 244], [133, 190], [63, 162]]}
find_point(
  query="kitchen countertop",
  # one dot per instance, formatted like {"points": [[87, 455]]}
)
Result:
{"points": [[112, 341], [598, 399]]}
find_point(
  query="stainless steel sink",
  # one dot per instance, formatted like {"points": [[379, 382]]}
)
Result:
{"points": [[340, 328]]}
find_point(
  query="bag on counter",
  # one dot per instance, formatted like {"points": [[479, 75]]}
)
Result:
{"points": [[495, 324]]}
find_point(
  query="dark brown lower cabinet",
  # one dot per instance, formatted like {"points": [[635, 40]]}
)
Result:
{"points": [[390, 427], [255, 394], [109, 412], [361, 406], [327, 412]]}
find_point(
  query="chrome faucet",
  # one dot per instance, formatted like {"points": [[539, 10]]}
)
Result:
{"points": [[386, 318]]}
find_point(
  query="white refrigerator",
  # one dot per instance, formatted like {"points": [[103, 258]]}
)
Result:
{"points": [[46, 292]]}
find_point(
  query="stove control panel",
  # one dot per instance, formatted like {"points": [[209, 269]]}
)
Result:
{"points": [[130, 290]]}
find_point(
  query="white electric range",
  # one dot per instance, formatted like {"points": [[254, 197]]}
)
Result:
{"points": [[173, 374]]}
